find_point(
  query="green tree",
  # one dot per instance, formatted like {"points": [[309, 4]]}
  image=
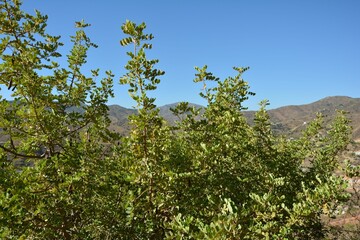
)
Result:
{"points": [[148, 203], [249, 183], [212, 175], [56, 124]]}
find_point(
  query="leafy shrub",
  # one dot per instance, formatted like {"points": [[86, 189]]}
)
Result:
{"points": [[211, 176]]}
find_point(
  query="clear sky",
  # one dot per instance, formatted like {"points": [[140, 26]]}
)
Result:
{"points": [[298, 51]]}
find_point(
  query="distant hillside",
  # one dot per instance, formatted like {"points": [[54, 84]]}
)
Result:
{"points": [[119, 118], [168, 115], [292, 119], [286, 120]]}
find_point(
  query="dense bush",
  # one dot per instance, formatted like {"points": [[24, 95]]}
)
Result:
{"points": [[210, 176]]}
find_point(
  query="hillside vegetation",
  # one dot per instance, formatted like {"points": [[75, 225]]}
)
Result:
{"points": [[209, 175]]}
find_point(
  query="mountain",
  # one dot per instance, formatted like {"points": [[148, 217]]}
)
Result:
{"points": [[288, 120], [119, 118], [168, 115], [292, 119]]}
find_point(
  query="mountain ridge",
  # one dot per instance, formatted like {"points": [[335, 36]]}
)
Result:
{"points": [[289, 120]]}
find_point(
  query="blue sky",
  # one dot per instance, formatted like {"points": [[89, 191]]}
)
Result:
{"points": [[298, 51]]}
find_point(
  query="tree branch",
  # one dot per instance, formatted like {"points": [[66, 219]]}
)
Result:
{"points": [[22, 155]]}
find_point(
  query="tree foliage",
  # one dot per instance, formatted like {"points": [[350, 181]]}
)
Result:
{"points": [[210, 176]]}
